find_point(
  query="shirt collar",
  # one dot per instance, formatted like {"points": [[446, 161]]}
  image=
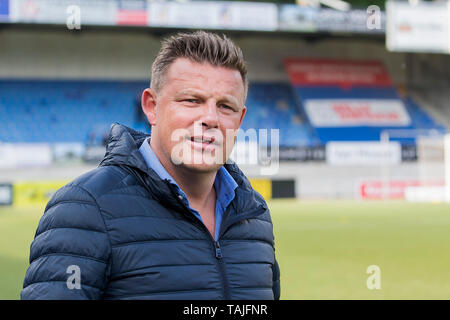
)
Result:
{"points": [[153, 162]]}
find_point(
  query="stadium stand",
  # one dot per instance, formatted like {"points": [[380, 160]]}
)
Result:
{"points": [[63, 111], [420, 119], [81, 111], [347, 100], [272, 105], [428, 83]]}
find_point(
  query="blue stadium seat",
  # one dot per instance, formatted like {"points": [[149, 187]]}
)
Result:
{"points": [[77, 111], [80, 111]]}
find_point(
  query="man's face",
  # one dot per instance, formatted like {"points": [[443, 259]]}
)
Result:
{"points": [[196, 115]]}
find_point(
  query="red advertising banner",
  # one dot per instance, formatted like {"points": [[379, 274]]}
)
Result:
{"points": [[332, 72], [132, 17], [394, 189], [131, 12]]}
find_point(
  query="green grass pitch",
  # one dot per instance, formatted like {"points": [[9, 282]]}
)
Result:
{"points": [[323, 248]]}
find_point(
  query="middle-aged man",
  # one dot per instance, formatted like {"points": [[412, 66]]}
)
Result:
{"points": [[164, 217]]}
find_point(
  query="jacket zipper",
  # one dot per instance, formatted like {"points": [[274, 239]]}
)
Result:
{"points": [[218, 250], [215, 243], [223, 274]]}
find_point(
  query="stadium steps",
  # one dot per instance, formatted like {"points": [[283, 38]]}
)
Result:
{"points": [[439, 114]]}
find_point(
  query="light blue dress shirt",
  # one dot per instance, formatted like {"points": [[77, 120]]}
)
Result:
{"points": [[224, 184]]}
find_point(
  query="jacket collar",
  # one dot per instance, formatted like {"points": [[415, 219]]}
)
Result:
{"points": [[123, 150]]}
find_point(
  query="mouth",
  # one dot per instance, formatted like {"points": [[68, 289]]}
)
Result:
{"points": [[203, 139], [203, 142]]}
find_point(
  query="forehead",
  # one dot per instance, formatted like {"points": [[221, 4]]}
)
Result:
{"points": [[186, 74]]}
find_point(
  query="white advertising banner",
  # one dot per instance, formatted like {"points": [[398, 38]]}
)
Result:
{"points": [[17, 155], [356, 112], [6, 194], [424, 27], [363, 153], [63, 152], [213, 15], [91, 12], [296, 18]]}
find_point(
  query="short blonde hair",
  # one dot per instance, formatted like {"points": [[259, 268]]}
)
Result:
{"points": [[201, 47]]}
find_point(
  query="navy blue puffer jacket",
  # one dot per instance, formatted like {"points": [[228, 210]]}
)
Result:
{"points": [[131, 238]]}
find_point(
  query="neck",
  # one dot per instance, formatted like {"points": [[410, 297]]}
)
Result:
{"points": [[198, 187]]}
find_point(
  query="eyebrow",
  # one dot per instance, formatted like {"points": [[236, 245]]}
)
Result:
{"points": [[224, 98], [188, 92]]}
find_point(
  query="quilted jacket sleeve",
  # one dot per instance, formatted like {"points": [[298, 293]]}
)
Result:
{"points": [[69, 256]]}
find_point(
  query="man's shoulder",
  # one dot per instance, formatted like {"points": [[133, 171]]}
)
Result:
{"points": [[93, 184], [247, 195], [241, 179]]}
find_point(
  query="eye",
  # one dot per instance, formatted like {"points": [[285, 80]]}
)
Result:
{"points": [[226, 107], [191, 100]]}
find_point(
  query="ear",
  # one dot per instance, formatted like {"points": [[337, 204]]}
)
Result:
{"points": [[242, 115], [148, 102]]}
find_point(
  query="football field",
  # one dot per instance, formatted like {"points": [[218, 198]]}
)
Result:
{"points": [[324, 249]]}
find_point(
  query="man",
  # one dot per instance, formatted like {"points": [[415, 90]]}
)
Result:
{"points": [[164, 217]]}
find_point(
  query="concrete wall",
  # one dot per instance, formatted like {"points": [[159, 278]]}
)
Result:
{"points": [[59, 53], [313, 180], [323, 181]]}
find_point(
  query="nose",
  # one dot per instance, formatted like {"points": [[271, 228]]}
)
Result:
{"points": [[210, 118]]}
